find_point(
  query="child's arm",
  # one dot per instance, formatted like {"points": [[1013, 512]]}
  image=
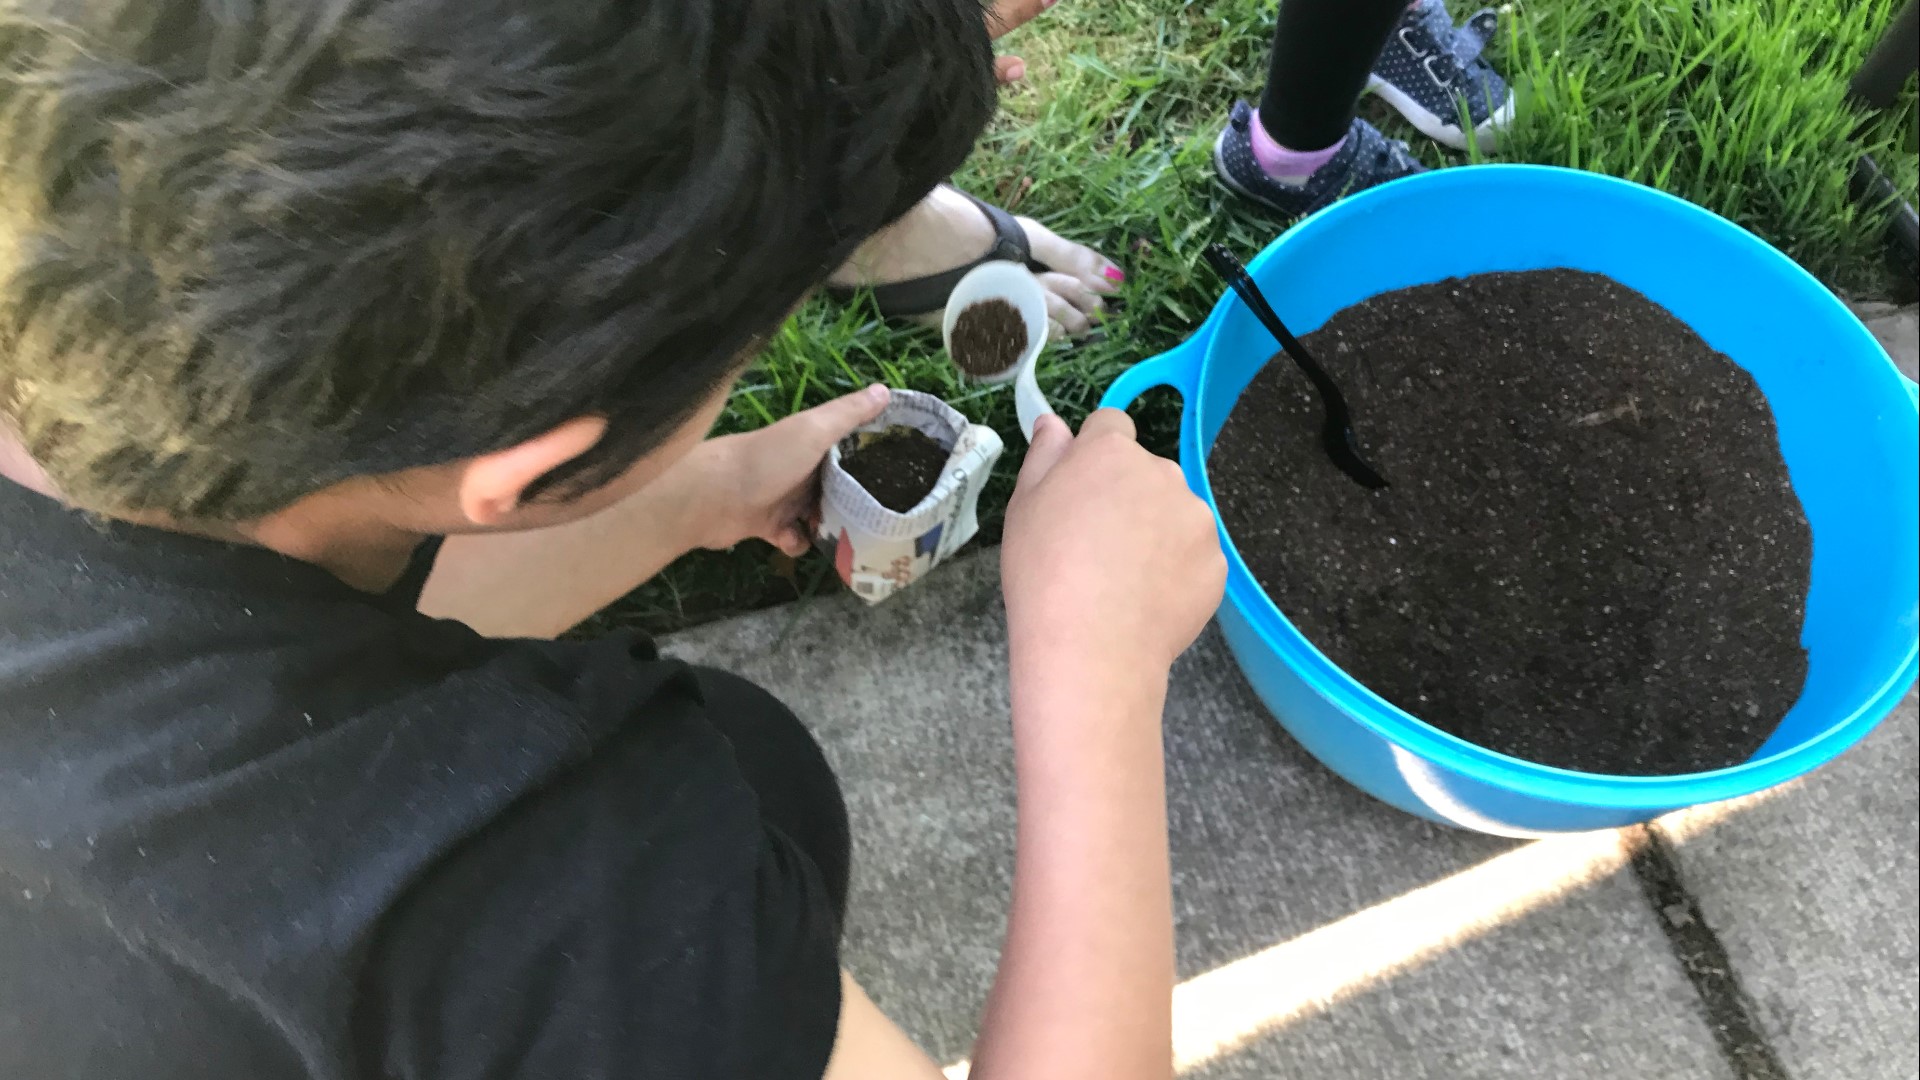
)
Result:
{"points": [[1111, 569], [540, 584]]}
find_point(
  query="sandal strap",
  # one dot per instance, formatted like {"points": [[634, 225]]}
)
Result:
{"points": [[919, 296]]}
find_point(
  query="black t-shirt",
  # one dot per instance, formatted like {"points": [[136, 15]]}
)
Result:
{"points": [[255, 824]]}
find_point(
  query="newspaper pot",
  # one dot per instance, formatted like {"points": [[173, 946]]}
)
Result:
{"points": [[878, 552]]}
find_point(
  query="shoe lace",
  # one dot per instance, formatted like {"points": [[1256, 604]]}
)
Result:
{"points": [[1463, 44], [1388, 153], [1470, 40]]}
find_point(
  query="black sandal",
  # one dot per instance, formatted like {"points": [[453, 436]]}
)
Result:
{"points": [[921, 296]]}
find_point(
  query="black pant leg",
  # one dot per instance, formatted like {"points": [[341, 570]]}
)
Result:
{"points": [[1322, 53]]}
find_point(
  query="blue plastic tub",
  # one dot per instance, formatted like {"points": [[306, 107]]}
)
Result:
{"points": [[1847, 424]]}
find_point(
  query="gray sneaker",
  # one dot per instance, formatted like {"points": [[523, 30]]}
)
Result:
{"points": [[1366, 159], [1432, 71]]}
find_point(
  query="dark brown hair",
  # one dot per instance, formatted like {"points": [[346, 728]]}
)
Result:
{"points": [[249, 248]]}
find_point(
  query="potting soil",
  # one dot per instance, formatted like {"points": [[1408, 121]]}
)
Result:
{"points": [[898, 466], [988, 338], [1590, 556]]}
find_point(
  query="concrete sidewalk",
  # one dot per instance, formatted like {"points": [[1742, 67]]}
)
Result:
{"points": [[1324, 935]]}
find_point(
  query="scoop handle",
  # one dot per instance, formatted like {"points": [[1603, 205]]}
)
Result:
{"points": [[1028, 402]]}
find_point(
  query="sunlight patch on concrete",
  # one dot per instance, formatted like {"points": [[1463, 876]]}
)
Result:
{"points": [[1683, 825], [1217, 1012], [1223, 1009]]}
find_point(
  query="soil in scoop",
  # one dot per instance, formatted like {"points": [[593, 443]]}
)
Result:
{"points": [[988, 338], [898, 466], [1590, 556]]}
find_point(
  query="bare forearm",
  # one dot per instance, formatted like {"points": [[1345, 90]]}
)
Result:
{"points": [[1086, 978], [726, 490], [541, 584]]}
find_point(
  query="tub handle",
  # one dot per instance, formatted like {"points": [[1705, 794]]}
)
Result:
{"points": [[1178, 367]]}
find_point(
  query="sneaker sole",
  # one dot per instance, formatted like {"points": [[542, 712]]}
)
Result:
{"points": [[1444, 131], [1227, 180]]}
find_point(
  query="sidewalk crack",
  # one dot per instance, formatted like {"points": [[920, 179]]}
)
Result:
{"points": [[1730, 1011]]}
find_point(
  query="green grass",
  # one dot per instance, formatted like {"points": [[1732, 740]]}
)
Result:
{"points": [[1737, 106]]}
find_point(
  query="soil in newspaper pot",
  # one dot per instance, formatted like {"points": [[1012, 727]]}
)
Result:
{"points": [[900, 495]]}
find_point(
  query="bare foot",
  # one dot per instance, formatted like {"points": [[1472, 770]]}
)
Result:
{"points": [[946, 230]]}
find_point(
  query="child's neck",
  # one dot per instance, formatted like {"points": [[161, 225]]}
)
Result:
{"points": [[369, 556], [17, 466]]}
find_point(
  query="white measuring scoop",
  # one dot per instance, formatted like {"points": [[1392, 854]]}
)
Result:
{"points": [[1017, 286]]}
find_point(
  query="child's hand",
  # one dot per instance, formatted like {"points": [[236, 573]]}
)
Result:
{"points": [[769, 477], [1106, 551], [1004, 17]]}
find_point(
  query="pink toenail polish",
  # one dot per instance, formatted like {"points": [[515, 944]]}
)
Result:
{"points": [[1115, 274]]}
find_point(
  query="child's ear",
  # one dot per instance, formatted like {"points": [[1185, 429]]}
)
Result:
{"points": [[493, 486]]}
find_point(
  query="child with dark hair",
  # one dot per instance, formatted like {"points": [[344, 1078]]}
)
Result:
{"points": [[351, 351]]}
